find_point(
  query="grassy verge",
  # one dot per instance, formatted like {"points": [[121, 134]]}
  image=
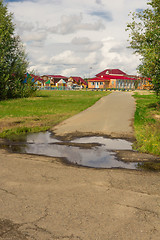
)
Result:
{"points": [[147, 124], [46, 109]]}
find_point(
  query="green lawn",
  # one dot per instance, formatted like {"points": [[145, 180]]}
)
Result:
{"points": [[43, 111], [147, 124]]}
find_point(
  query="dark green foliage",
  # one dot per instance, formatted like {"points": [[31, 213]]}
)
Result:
{"points": [[145, 40], [13, 63]]}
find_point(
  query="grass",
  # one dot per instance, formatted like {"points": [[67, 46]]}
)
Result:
{"points": [[147, 124], [44, 110]]}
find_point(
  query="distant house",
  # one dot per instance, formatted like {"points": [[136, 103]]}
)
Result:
{"points": [[39, 82], [53, 78], [49, 83], [112, 79], [61, 83], [29, 77], [77, 80]]}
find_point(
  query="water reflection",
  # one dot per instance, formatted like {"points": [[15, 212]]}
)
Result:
{"points": [[101, 156]]}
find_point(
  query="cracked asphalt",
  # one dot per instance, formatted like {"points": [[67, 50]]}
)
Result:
{"points": [[43, 199]]}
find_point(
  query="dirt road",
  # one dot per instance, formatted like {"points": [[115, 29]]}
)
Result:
{"points": [[43, 199], [111, 115]]}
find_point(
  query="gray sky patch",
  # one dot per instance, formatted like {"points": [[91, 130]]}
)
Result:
{"points": [[103, 14]]}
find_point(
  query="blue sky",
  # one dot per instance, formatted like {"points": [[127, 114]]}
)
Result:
{"points": [[76, 37]]}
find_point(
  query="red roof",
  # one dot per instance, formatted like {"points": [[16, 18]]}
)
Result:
{"points": [[109, 77], [56, 76], [98, 79], [39, 79], [111, 71], [79, 79], [36, 78]]}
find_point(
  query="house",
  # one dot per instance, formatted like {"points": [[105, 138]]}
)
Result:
{"points": [[29, 78], [53, 78], [112, 79], [77, 80], [61, 83], [39, 82], [49, 83]]}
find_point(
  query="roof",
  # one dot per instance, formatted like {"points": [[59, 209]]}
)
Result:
{"points": [[37, 78], [111, 71], [49, 82], [40, 79], [55, 76], [61, 81], [98, 79], [110, 77], [79, 79]]}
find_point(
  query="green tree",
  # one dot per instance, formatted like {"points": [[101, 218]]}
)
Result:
{"points": [[13, 61], [145, 40]]}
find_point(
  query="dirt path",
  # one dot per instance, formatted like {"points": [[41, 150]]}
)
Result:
{"points": [[43, 199], [111, 115]]}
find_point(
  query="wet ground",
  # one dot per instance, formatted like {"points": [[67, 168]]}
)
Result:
{"points": [[91, 151]]}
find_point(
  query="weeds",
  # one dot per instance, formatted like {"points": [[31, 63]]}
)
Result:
{"points": [[147, 126]]}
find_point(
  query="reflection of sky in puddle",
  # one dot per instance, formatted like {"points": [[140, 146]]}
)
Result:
{"points": [[100, 156], [110, 144]]}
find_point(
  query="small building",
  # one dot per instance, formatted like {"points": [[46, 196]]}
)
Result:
{"points": [[61, 83], [49, 83], [77, 80], [39, 82], [53, 78]]}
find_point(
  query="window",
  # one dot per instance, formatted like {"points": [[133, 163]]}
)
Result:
{"points": [[101, 83], [92, 83]]}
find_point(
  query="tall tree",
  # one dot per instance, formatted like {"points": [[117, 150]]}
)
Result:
{"points": [[13, 63], [145, 40]]}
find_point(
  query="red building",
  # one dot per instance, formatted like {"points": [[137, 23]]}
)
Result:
{"points": [[112, 79]]}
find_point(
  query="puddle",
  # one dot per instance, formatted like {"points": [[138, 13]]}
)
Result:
{"points": [[100, 154]]}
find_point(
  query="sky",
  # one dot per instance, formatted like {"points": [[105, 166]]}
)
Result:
{"points": [[76, 37]]}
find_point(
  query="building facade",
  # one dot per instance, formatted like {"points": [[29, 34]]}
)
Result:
{"points": [[116, 79]]}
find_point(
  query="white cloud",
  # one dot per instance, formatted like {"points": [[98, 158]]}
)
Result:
{"points": [[68, 57], [81, 40], [116, 53], [91, 59], [74, 23], [69, 71], [76, 37], [86, 45], [34, 36]]}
